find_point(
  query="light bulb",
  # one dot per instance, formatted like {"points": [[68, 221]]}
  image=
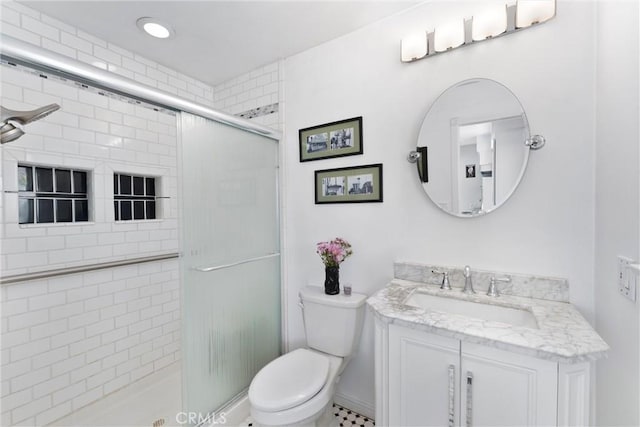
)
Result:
{"points": [[489, 23], [529, 12], [449, 36], [414, 47]]}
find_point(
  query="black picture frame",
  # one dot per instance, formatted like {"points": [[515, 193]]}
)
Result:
{"points": [[470, 171], [335, 139], [355, 184]]}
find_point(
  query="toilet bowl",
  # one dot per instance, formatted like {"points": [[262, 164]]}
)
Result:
{"points": [[297, 388]]}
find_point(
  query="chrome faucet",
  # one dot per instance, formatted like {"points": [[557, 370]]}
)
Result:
{"points": [[468, 285], [493, 287], [445, 279]]}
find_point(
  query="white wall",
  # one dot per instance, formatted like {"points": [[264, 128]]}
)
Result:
{"points": [[547, 227], [617, 208]]}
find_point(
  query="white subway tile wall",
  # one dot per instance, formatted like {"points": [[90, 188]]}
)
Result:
{"points": [[85, 336], [256, 89], [68, 341], [80, 147]]}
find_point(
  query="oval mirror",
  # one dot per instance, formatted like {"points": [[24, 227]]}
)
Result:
{"points": [[473, 148]]}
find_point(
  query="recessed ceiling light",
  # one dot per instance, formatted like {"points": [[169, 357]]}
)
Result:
{"points": [[155, 28]]}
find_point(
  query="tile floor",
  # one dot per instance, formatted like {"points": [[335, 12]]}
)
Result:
{"points": [[345, 417]]}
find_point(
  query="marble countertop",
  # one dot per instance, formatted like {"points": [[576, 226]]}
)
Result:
{"points": [[563, 335]]}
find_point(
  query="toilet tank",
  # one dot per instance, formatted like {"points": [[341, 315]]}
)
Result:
{"points": [[332, 323]]}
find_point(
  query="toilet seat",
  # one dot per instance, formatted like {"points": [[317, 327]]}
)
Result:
{"points": [[289, 380], [302, 412]]}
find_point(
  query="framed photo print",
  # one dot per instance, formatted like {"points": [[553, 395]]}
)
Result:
{"points": [[336, 139], [357, 184]]}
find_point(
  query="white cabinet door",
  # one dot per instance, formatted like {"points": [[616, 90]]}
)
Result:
{"points": [[500, 388], [424, 378]]}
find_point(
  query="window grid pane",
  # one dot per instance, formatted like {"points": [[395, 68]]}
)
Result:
{"points": [[51, 195], [81, 210], [64, 210], [134, 197], [25, 178], [44, 180], [125, 184], [26, 211], [63, 181], [44, 211], [79, 182]]}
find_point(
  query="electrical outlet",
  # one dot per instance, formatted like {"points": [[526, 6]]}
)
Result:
{"points": [[627, 278]]}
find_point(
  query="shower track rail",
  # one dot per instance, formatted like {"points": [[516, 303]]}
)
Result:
{"points": [[47, 274], [35, 56]]}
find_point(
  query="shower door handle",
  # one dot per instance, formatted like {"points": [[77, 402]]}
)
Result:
{"points": [[233, 264]]}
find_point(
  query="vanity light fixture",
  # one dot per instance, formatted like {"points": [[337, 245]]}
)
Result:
{"points": [[155, 28], [449, 35], [414, 46], [494, 21], [529, 12], [489, 23]]}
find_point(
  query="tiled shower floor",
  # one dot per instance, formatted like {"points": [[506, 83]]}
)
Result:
{"points": [[344, 416]]}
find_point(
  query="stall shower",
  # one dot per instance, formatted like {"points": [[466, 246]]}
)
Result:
{"points": [[140, 249]]}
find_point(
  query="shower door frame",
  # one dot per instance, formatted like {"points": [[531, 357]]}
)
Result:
{"points": [[242, 397]]}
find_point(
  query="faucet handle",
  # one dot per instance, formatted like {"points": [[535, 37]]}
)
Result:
{"points": [[445, 279], [467, 271], [468, 285], [493, 291]]}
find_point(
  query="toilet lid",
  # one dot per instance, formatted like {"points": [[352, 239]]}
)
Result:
{"points": [[289, 380]]}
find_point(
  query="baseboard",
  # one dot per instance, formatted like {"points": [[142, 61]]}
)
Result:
{"points": [[363, 408]]}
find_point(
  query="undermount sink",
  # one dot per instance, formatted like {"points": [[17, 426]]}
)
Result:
{"points": [[490, 312]]}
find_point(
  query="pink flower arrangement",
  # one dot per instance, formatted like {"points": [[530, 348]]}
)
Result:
{"points": [[334, 252]]}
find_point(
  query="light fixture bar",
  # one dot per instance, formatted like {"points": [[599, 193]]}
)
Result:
{"points": [[435, 46]]}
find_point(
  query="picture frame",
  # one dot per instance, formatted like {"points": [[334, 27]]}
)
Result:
{"points": [[355, 184], [470, 171], [335, 139]]}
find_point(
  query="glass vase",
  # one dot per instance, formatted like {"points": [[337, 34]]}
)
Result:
{"points": [[332, 280]]}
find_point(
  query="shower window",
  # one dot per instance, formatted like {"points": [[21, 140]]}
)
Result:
{"points": [[52, 195], [134, 197]]}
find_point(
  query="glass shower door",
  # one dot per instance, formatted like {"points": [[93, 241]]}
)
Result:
{"points": [[230, 260]]}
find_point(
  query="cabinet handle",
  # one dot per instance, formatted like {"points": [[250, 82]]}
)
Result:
{"points": [[452, 392], [469, 398]]}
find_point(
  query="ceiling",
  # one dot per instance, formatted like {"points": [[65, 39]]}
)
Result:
{"points": [[218, 40]]}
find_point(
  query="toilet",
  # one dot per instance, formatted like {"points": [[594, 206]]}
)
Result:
{"points": [[297, 388]]}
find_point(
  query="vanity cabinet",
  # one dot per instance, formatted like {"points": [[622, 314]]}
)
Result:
{"points": [[440, 381], [500, 388], [423, 370]]}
